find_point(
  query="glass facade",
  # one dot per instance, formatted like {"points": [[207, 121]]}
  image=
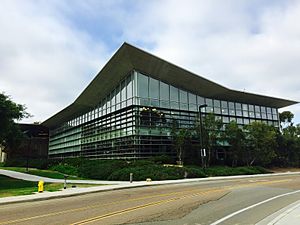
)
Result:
{"points": [[134, 120]]}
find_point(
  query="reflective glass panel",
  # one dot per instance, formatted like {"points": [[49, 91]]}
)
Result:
{"points": [[224, 111], [245, 107], [257, 109], [129, 87], [238, 112], [192, 99], [123, 91], [238, 105], [224, 104], [142, 86], [231, 112], [200, 100], [217, 103], [251, 108], [113, 98], [245, 114], [173, 94], [225, 119], [118, 95], [153, 88], [209, 102], [251, 114], [183, 96], [217, 110], [164, 91], [231, 105], [246, 121], [239, 121]]}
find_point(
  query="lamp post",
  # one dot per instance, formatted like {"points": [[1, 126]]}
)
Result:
{"points": [[202, 151]]}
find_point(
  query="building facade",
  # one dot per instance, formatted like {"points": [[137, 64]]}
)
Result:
{"points": [[128, 110]]}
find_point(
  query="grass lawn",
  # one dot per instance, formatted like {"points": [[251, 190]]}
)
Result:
{"points": [[13, 187], [42, 173]]}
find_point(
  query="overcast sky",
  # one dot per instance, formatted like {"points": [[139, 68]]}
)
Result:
{"points": [[50, 50]]}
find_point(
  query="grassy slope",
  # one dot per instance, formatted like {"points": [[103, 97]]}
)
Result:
{"points": [[42, 173], [14, 187]]}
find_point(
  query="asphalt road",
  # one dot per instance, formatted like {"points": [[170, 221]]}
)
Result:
{"points": [[238, 201]]}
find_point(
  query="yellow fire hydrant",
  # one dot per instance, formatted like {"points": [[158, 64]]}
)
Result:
{"points": [[41, 186]]}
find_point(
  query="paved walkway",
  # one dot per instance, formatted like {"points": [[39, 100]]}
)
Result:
{"points": [[29, 177], [289, 215]]}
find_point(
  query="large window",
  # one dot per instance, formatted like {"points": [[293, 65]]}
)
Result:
{"points": [[164, 91], [153, 88], [173, 93], [142, 86]]}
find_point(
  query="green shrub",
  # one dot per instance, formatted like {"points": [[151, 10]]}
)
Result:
{"points": [[139, 163], [230, 171], [65, 169], [193, 172], [100, 169], [162, 159], [155, 172]]}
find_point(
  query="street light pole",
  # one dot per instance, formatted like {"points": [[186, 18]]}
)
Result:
{"points": [[201, 135]]}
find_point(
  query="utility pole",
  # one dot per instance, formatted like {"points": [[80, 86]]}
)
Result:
{"points": [[202, 151]]}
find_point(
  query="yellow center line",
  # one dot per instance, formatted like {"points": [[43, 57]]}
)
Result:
{"points": [[203, 191], [99, 205], [127, 210]]}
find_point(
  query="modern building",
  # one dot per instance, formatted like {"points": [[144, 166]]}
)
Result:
{"points": [[127, 111]]}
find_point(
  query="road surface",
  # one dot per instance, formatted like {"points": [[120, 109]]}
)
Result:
{"points": [[236, 201]]}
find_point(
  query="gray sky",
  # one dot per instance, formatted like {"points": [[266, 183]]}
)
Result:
{"points": [[50, 50]]}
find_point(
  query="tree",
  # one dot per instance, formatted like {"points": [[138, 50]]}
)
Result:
{"points": [[260, 143], [288, 140], [290, 144], [211, 134], [236, 140], [286, 118], [181, 139], [10, 134]]}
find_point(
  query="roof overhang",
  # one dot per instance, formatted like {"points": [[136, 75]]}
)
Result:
{"points": [[129, 58]]}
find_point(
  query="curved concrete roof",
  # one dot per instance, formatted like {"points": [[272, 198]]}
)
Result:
{"points": [[129, 58]]}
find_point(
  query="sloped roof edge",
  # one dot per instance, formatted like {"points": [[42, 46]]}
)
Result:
{"points": [[128, 58]]}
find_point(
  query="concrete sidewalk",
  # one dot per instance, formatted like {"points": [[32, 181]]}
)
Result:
{"points": [[109, 185], [289, 215]]}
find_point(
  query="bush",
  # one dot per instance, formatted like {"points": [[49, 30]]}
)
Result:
{"points": [[155, 172], [193, 172], [100, 169], [65, 169], [162, 159], [230, 171]]}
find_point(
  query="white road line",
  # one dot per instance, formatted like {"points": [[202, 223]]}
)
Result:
{"points": [[252, 206]]}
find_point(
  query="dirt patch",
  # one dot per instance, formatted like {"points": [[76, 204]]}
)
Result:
{"points": [[283, 170]]}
